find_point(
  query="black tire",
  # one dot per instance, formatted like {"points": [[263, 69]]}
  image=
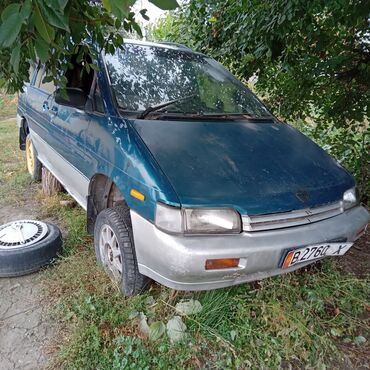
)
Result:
{"points": [[34, 169], [131, 281], [25, 260]]}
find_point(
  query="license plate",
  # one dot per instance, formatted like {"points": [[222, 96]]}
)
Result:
{"points": [[313, 252]]}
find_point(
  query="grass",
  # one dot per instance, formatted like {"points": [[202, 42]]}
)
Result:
{"points": [[298, 319], [14, 178], [313, 318], [8, 105]]}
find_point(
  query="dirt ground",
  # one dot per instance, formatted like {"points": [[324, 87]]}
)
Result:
{"points": [[25, 326]]}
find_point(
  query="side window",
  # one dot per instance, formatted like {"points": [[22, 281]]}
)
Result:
{"points": [[98, 100], [48, 87]]}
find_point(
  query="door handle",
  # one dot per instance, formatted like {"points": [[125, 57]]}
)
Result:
{"points": [[45, 106]]}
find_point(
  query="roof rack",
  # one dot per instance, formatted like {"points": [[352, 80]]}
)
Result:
{"points": [[181, 46]]}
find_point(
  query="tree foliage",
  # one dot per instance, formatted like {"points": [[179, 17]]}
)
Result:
{"points": [[310, 60], [51, 32]]}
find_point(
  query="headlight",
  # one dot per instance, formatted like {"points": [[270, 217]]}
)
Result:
{"points": [[197, 220], [350, 198], [218, 221]]}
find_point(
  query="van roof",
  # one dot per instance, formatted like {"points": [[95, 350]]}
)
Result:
{"points": [[162, 44]]}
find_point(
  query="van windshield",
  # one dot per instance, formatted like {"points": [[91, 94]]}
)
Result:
{"points": [[145, 76]]}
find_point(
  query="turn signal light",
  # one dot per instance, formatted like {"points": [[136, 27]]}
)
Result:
{"points": [[288, 259], [225, 263], [136, 194]]}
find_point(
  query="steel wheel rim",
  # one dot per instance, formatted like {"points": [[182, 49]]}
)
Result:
{"points": [[30, 156], [110, 251]]}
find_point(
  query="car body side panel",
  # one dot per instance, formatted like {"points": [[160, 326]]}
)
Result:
{"points": [[114, 149], [73, 180]]}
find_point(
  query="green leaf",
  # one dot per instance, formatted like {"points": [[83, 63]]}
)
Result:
{"points": [[165, 4], [94, 67], [31, 50], [9, 29], [233, 334], [120, 8], [9, 10], [42, 49], [360, 339], [137, 28], [54, 17], [156, 330], [15, 58], [26, 9], [42, 26], [106, 4], [62, 4], [143, 14]]}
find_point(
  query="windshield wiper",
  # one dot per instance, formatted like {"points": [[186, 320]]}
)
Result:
{"points": [[154, 108], [246, 116]]}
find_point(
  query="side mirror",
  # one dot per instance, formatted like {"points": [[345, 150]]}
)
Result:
{"points": [[71, 97]]}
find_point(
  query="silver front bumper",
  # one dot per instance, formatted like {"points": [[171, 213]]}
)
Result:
{"points": [[179, 261]]}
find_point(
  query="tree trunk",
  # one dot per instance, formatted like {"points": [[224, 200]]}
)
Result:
{"points": [[50, 185]]}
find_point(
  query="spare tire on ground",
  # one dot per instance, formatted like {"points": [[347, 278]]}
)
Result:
{"points": [[26, 246]]}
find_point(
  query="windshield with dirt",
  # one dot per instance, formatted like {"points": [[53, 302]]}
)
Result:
{"points": [[147, 76]]}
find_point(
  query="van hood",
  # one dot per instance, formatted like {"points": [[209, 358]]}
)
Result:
{"points": [[254, 167]]}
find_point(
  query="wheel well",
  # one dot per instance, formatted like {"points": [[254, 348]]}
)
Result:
{"points": [[103, 193]]}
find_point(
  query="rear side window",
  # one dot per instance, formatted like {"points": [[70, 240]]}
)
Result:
{"points": [[48, 87], [98, 100]]}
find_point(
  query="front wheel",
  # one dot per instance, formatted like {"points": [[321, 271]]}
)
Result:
{"points": [[34, 166], [115, 249]]}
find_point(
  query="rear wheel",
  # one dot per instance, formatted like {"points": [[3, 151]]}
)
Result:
{"points": [[115, 249], [34, 166]]}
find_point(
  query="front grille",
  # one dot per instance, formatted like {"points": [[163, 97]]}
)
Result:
{"points": [[294, 218]]}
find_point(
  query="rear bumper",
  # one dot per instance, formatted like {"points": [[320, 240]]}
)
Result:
{"points": [[178, 261]]}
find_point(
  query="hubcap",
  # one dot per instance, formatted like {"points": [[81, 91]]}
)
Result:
{"points": [[110, 251], [29, 156], [21, 233]]}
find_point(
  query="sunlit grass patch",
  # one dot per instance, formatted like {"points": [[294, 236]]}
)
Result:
{"points": [[8, 105], [14, 178]]}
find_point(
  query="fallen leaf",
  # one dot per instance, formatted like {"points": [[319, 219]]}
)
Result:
{"points": [[133, 315], [360, 339], [176, 329], [149, 300], [156, 330], [143, 325], [190, 307], [233, 334]]}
